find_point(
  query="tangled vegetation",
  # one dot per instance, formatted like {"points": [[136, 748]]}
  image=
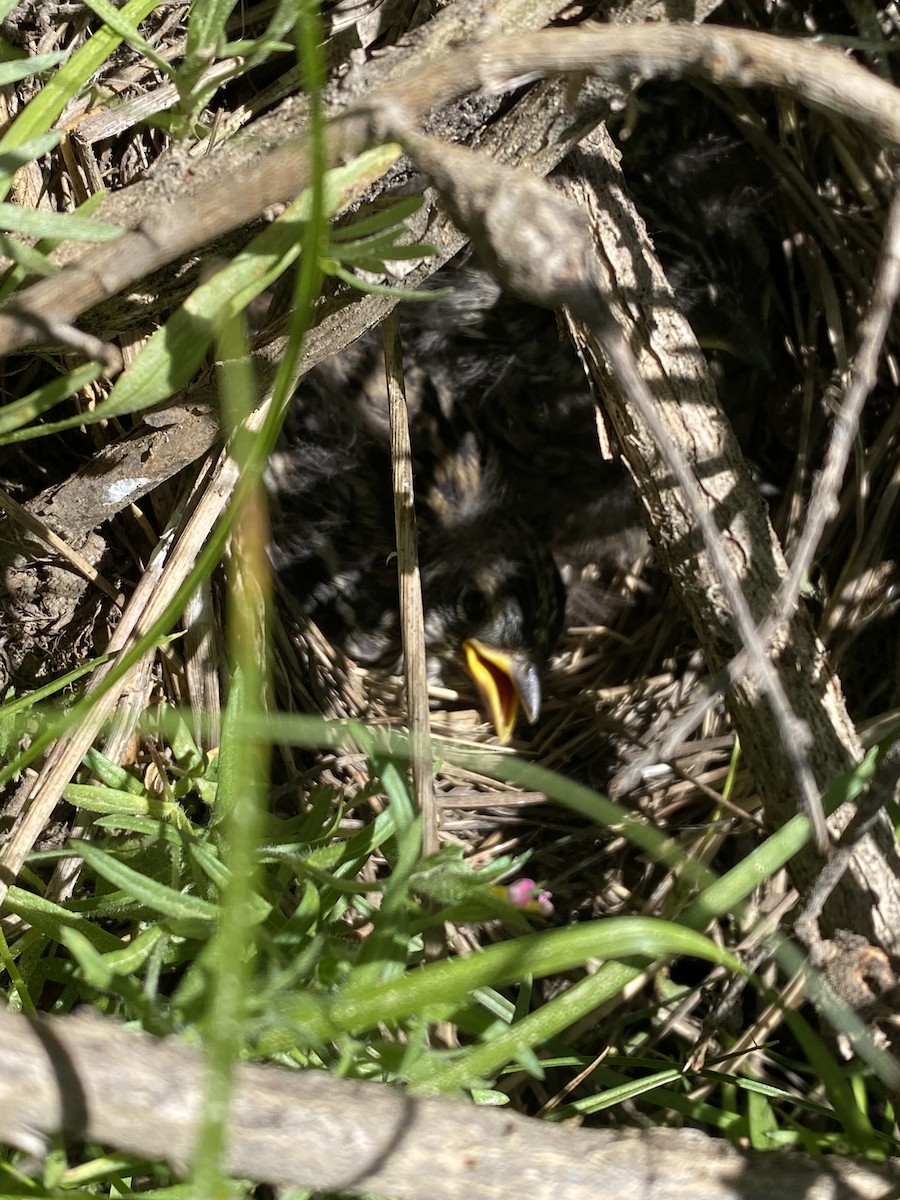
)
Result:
{"points": [[673, 904]]}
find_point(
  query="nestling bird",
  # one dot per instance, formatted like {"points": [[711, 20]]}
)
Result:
{"points": [[507, 465], [493, 597]]}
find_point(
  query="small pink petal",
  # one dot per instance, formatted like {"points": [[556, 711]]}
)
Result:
{"points": [[524, 893], [521, 892]]}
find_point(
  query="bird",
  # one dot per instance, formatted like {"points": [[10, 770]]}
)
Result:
{"points": [[494, 600], [512, 495]]}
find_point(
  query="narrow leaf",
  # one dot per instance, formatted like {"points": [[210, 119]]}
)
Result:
{"points": [[388, 218], [150, 892], [30, 150], [443, 985], [105, 800], [35, 222], [21, 68], [28, 259], [51, 919], [380, 289]]}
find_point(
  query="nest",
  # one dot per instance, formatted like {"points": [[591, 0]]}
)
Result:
{"points": [[770, 240]]}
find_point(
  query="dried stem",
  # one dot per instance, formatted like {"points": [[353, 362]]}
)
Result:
{"points": [[412, 612], [823, 504]]}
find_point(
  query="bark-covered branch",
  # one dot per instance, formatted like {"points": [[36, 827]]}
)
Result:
{"points": [[90, 1078], [173, 225]]}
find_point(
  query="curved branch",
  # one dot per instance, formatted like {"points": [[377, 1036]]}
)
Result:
{"points": [[166, 232]]}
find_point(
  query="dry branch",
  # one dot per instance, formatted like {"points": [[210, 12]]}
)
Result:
{"points": [[621, 55], [823, 504], [91, 1078], [684, 418]]}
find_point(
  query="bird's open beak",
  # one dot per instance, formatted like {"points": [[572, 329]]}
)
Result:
{"points": [[505, 679]]}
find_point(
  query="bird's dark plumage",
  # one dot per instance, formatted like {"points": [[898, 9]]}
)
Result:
{"points": [[487, 482], [507, 465], [484, 574]]}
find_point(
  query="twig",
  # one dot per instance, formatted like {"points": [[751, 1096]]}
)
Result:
{"points": [[47, 328], [739, 58], [308, 1129], [202, 656], [823, 504], [736, 58], [412, 615]]}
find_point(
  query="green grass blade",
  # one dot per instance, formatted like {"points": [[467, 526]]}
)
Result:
{"points": [[391, 218], [309, 277], [28, 261], [624, 1092], [242, 792], [51, 919], [12, 160], [39, 114], [33, 259], [35, 222], [22, 68], [440, 987], [724, 895], [184, 909], [108, 801], [22, 704], [383, 289]]}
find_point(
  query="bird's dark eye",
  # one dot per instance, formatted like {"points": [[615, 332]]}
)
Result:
{"points": [[472, 605]]}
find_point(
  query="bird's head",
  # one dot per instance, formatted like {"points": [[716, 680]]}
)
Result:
{"points": [[494, 605]]}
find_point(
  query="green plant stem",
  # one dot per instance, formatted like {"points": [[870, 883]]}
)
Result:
{"points": [[309, 275], [243, 782]]}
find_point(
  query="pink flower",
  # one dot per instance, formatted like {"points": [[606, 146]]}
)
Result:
{"points": [[526, 894]]}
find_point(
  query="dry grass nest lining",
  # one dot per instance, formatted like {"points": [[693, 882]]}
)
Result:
{"points": [[611, 690]]}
